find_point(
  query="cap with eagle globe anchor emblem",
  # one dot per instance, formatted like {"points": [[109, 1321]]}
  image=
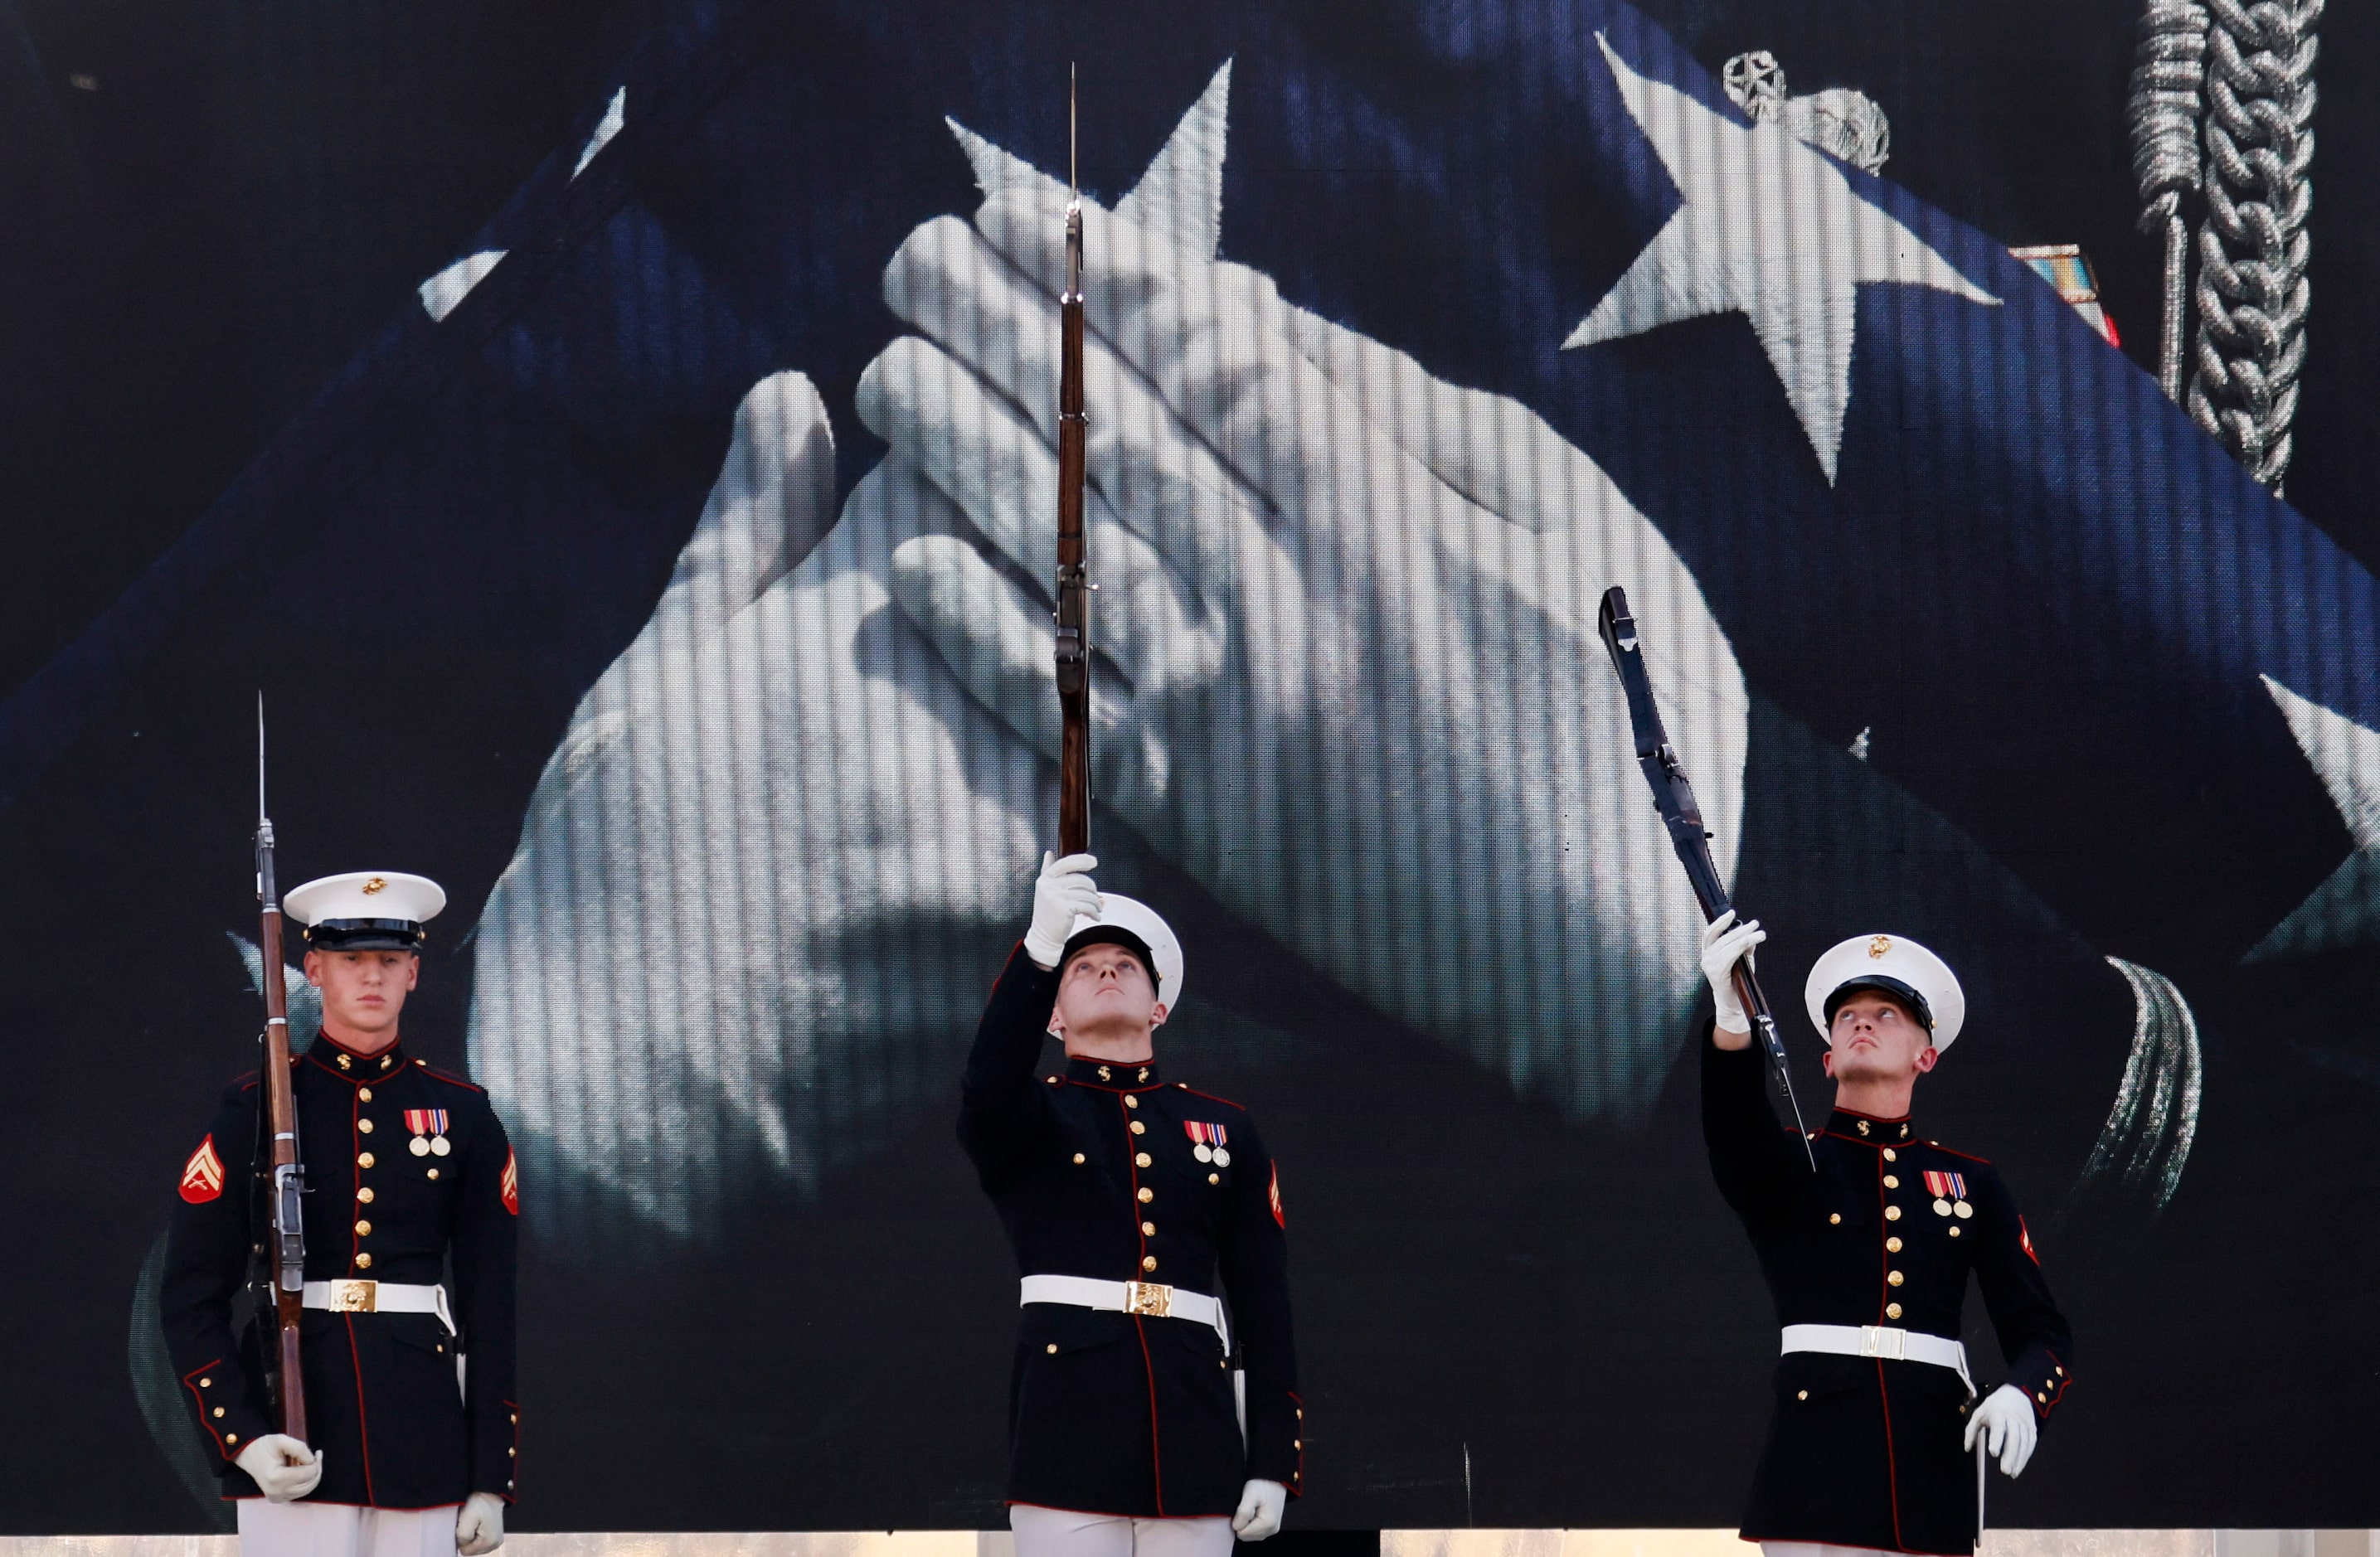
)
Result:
{"points": [[1894, 965], [366, 910], [1129, 923]]}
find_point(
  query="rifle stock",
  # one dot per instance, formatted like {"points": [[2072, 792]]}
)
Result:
{"points": [[1073, 585], [286, 1184], [1673, 796]]}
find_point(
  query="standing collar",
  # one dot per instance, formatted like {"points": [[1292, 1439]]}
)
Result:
{"points": [[348, 1066], [1868, 1129], [1110, 1073]]}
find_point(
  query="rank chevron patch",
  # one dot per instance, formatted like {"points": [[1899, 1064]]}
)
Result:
{"points": [[510, 1183], [202, 1175]]}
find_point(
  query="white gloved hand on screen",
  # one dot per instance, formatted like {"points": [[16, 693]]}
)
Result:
{"points": [[1726, 943], [2007, 1427], [1261, 1507], [283, 1468], [480, 1525], [1061, 894], [1349, 677]]}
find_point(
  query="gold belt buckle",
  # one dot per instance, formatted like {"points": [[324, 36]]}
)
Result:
{"points": [[355, 1297], [1150, 1299], [1884, 1341]]}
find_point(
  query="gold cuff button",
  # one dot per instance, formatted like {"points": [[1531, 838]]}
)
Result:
{"points": [[2042, 1395]]}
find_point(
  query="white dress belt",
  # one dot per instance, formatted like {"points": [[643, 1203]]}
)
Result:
{"points": [[380, 1298], [1148, 1298], [1883, 1341]]}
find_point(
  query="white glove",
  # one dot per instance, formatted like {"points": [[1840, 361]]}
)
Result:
{"points": [[1261, 1507], [1722, 949], [480, 1525], [282, 1467], [1349, 611], [2007, 1427], [1062, 894]]}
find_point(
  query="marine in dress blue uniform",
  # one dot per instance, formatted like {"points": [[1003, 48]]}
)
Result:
{"points": [[1132, 1202], [409, 1385], [1867, 1261]]}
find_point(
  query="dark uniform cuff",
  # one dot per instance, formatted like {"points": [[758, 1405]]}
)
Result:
{"points": [[497, 1454], [2043, 1375]]}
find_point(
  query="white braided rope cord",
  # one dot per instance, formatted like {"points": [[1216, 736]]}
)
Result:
{"points": [[2252, 293]]}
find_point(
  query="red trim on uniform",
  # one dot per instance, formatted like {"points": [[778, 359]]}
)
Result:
{"points": [[2058, 1382], [1297, 1415], [448, 1077], [363, 1438], [1883, 1267], [1891, 1465], [201, 1401], [1968, 1156], [1211, 1097]]}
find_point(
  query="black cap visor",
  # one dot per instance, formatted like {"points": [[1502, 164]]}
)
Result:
{"points": [[1110, 934], [1894, 987], [366, 935]]}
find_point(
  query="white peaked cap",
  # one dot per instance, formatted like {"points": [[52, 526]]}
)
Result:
{"points": [[1130, 914], [363, 907], [1897, 966]]}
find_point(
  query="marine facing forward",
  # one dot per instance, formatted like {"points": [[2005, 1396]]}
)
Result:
{"points": [[413, 1452], [1867, 1260], [1125, 1197]]}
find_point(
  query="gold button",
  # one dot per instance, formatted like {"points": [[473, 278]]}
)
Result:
{"points": [[512, 1453], [365, 1194], [1297, 1443], [2060, 1371], [1301, 1413], [1054, 1081], [433, 1173], [206, 1383], [363, 1261], [1148, 1262], [230, 1438], [1894, 1277], [1892, 1182], [1954, 1232], [363, 1229], [364, 1125], [1892, 1310], [1892, 1246], [1140, 1128], [1052, 1349], [218, 1410], [1892, 1214], [1888, 1155], [1130, 1101], [1149, 1229], [1802, 1394], [364, 1160], [2042, 1395], [1078, 1159], [1214, 1179], [515, 1418], [1141, 1160], [363, 1095], [1833, 1217], [1147, 1194]]}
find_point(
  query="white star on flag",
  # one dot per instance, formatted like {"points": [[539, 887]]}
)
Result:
{"points": [[1769, 228], [2345, 909]]}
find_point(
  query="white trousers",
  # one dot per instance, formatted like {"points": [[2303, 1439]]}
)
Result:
{"points": [[339, 1529], [1062, 1532], [1818, 1549]]}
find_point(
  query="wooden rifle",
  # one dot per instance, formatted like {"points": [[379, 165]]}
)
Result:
{"points": [[279, 1166], [1073, 603], [1673, 797]]}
